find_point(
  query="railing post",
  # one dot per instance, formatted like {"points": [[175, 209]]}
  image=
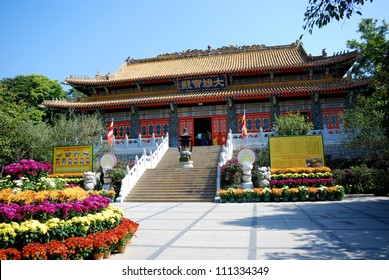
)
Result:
{"points": [[144, 159], [139, 140], [151, 159], [137, 165], [126, 139]]}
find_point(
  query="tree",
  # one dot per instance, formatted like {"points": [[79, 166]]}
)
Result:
{"points": [[320, 12], [26, 130], [368, 124], [30, 91], [292, 124], [373, 47], [77, 129]]}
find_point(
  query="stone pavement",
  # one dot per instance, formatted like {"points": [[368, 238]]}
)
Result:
{"points": [[355, 228]]}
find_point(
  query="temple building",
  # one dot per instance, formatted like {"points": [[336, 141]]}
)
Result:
{"points": [[207, 91]]}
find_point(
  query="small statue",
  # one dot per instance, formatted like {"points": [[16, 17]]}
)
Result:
{"points": [[263, 177], [89, 181]]}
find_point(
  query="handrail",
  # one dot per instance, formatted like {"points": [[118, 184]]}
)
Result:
{"points": [[141, 164]]}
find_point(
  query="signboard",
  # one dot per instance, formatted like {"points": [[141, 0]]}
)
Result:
{"points": [[204, 83], [246, 156], [73, 159], [108, 161], [296, 151]]}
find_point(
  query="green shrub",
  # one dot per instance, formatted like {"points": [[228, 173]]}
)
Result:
{"points": [[380, 180]]}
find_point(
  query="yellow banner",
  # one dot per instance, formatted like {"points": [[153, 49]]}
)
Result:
{"points": [[296, 151], [72, 159]]}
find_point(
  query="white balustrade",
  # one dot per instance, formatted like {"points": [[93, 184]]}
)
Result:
{"points": [[123, 145], [141, 165]]}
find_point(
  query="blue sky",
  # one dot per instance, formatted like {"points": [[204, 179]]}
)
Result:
{"points": [[58, 38]]}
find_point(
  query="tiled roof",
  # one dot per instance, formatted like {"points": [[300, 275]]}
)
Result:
{"points": [[293, 88], [278, 58]]}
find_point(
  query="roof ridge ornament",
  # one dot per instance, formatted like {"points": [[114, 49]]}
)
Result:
{"points": [[211, 51]]}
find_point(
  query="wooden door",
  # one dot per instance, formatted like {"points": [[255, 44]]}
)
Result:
{"points": [[219, 130], [188, 124]]}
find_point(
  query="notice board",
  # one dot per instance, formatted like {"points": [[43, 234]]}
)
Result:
{"points": [[72, 159], [296, 151]]}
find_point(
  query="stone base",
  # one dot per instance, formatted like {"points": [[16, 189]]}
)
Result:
{"points": [[247, 185], [186, 164]]}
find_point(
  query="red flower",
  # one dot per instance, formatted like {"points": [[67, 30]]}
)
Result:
{"points": [[10, 254], [34, 251], [100, 242], [78, 247], [56, 250]]}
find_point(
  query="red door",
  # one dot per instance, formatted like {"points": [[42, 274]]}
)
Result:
{"points": [[188, 124], [219, 130]]}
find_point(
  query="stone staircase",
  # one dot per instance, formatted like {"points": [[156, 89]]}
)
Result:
{"points": [[169, 183]]}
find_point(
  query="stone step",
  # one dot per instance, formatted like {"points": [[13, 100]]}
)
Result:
{"points": [[169, 183]]}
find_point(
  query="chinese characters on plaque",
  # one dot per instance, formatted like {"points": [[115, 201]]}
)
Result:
{"points": [[204, 83]]}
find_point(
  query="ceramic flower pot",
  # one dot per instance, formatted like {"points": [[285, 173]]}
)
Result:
{"points": [[121, 249], [98, 256], [107, 254]]}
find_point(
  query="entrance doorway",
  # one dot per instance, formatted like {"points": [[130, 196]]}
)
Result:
{"points": [[203, 131]]}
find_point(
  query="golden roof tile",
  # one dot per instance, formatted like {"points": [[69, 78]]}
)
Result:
{"points": [[237, 60]]}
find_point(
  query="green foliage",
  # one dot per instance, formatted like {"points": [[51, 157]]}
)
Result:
{"points": [[77, 129], [231, 173], [34, 89], [117, 174], [321, 12], [368, 122], [23, 133], [362, 179], [373, 47], [292, 124]]}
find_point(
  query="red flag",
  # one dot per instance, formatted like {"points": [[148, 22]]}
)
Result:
{"points": [[110, 134], [244, 130]]}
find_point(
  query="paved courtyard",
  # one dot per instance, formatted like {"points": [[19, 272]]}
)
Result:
{"points": [[355, 228]]}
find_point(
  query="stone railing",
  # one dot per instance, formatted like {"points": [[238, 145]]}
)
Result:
{"points": [[122, 145], [146, 161]]}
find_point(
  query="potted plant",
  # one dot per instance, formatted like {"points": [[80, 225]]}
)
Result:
{"points": [[231, 194], [231, 172], [303, 192], [10, 254], [34, 251], [331, 192], [285, 193], [78, 247], [266, 194], [257, 194], [322, 192], [117, 174], [294, 194], [276, 193], [223, 195], [109, 193], [99, 247], [56, 250], [239, 194], [339, 194], [248, 194], [312, 193]]}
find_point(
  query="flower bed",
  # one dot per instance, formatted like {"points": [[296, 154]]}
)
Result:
{"points": [[74, 248], [42, 219], [292, 184], [48, 210]]}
